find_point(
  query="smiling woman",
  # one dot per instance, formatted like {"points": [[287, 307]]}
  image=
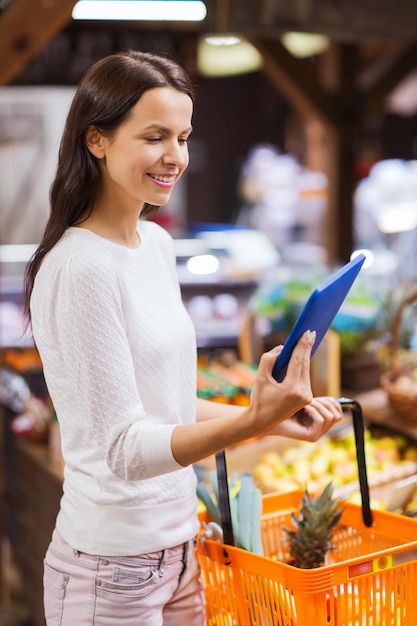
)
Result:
{"points": [[118, 350], [105, 311]]}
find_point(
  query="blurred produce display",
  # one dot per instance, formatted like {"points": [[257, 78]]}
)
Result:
{"points": [[281, 197], [223, 378], [281, 297], [389, 458], [385, 216]]}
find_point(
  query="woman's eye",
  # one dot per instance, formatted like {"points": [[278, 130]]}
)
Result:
{"points": [[183, 141], [153, 139]]}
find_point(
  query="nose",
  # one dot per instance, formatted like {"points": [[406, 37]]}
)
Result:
{"points": [[176, 154]]}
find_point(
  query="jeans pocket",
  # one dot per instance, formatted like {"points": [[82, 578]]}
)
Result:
{"points": [[127, 583], [55, 584]]}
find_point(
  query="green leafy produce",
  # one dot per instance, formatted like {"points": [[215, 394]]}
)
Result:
{"points": [[245, 508]]}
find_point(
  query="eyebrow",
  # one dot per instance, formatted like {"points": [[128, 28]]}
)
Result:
{"points": [[164, 129]]}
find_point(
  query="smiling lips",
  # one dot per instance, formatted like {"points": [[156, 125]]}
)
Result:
{"points": [[165, 180]]}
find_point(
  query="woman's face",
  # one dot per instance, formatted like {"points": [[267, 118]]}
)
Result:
{"points": [[148, 153]]}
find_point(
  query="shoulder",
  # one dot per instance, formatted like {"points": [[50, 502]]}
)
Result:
{"points": [[79, 257]]}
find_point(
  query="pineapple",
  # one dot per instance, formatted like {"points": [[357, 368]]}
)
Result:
{"points": [[315, 526]]}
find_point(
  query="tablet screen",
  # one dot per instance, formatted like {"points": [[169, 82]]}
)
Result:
{"points": [[319, 311]]}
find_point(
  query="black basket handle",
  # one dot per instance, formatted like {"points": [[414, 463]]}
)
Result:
{"points": [[224, 502], [358, 428]]}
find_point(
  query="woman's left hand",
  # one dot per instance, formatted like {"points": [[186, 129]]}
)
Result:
{"points": [[312, 422]]}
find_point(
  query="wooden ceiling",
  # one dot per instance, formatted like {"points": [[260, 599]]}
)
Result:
{"points": [[373, 47], [27, 25], [348, 20]]}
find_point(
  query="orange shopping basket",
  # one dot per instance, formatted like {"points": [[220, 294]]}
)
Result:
{"points": [[370, 581]]}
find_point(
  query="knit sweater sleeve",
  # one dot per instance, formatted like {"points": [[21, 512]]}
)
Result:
{"points": [[89, 371]]}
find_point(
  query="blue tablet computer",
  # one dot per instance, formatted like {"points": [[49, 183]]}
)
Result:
{"points": [[319, 311]]}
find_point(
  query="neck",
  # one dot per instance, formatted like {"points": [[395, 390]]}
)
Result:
{"points": [[123, 233]]}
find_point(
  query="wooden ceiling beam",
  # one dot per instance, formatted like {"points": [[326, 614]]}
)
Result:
{"points": [[374, 95], [25, 27], [296, 80], [342, 20], [328, 92]]}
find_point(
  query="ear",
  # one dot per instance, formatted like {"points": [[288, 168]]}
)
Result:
{"points": [[94, 142]]}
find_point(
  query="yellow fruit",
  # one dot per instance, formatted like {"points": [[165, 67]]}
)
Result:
{"points": [[410, 454], [301, 470], [319, 465], [346, 471], [339, 455]]}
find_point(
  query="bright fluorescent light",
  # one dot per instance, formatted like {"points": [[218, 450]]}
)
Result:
{"points": [[203, 264], [223, 40], [226, 55], [303, 45], [166, 10]]}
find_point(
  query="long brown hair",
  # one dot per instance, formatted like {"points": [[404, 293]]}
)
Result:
{"points": [[104, 99]]}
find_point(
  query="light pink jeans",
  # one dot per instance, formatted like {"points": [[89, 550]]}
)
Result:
{"points": [[158, 589]]}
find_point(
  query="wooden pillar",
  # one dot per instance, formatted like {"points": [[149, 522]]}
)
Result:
{"points": [[328, 96], [339, 77]]}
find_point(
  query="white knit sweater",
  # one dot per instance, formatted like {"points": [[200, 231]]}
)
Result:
{"points": [[119, 356]]}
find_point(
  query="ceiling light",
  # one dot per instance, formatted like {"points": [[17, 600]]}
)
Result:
{"points": [[162, 10], [303, 45], [226, 55], [222, 40]]}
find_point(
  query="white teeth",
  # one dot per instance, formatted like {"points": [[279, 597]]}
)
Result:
{"points": [[162, 179]]}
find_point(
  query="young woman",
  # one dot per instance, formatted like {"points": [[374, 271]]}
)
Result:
{"points": [[119, 357]]}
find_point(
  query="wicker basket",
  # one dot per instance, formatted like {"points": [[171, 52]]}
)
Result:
{"points": [[400, 383]]}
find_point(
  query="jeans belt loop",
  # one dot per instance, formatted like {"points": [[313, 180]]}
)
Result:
{"points": [[161, 563]]}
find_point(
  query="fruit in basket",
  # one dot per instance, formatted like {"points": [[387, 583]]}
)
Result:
{"points": [[314, 525]]}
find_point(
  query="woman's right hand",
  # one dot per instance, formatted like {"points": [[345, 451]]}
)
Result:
{"points": [[222, 425], [271, 402]]}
